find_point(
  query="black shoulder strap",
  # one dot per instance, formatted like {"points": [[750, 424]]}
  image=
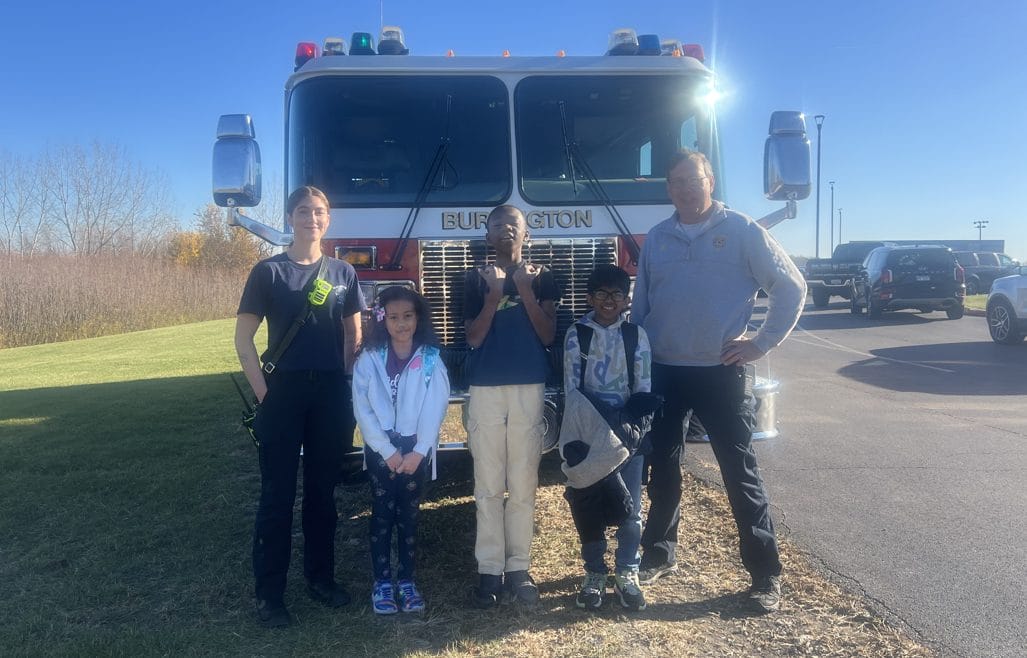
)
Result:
{"points": [[584, 343], [629, 332], [299, 321]]}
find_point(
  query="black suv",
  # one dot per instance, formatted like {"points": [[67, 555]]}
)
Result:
{"points": [[926, 278], [983, 267]]}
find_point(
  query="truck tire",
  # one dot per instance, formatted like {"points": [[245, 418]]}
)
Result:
{"points": [[973, 286], [955, 312], [821, 298], [873, 310], [1002, 323]]}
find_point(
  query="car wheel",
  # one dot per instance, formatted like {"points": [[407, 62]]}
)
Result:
{"points": [[550, 426], [973, 287], [821, 298], [1002, 323], [873, 309], [954, 312]]}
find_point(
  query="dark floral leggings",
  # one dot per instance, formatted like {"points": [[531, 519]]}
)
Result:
{"points": [[395, 501]]}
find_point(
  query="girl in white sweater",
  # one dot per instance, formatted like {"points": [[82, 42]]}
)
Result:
{"points": [[400, 397]]}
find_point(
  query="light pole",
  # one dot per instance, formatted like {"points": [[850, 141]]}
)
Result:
{"points": [[980, 224], [831, 183], [839, 226], [820, 124]]}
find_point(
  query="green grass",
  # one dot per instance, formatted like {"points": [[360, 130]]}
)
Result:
{"points": [[128, 493], [976, 302]]}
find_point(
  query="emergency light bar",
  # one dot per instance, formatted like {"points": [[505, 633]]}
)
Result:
{"points": [[362, 43], [305, 51], [391, 41], [649, 44], [623, 41], [333, 46]]}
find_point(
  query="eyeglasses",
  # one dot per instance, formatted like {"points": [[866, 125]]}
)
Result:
{"points": [[305, 212], [686, 182], [603, 295]]}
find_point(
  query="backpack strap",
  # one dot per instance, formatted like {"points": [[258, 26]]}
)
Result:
{"points": [[584, 343], [629, 332]]}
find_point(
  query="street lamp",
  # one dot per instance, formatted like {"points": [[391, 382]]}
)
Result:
{"points": [[980, 224], [820, 124], [839, 226], [831, 183]]}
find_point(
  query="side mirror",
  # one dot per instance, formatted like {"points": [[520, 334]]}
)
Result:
{"points": [[236, 166], [786, 159]]}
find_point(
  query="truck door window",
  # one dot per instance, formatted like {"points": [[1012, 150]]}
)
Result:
{"points": [[369, 141], [624, 127]]}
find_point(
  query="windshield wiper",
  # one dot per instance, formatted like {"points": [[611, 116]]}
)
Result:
{"points": [[437, 162], [573, 154]]}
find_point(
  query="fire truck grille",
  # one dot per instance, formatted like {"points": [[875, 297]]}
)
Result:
{"points": [[445, 262]]}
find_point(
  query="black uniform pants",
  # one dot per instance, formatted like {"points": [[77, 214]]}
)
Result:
{"points": [[301, 408], [719, 396]]}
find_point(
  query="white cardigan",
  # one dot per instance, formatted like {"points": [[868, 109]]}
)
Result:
{"points": [[421, 402]]}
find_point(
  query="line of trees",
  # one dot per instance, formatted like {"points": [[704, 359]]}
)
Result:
{"points": [[84, 228], [84, 200]]}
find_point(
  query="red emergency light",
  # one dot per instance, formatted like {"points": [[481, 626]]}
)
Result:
{"points": [[693, 50], [305, 51]]}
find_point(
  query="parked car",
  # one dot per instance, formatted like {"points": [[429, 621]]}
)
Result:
{"points": [[833, 276], [983, 267], [1007, 308], [926, 278]]}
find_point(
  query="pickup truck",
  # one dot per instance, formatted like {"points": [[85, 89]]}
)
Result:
{"points": [[833, 276], [981, 268]]}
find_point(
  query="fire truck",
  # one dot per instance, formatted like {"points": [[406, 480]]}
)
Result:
{"points": [[414, 151]]}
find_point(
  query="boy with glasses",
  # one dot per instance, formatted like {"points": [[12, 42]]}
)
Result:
{"points": [[596, 360]]}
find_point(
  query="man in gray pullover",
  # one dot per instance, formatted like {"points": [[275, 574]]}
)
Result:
{"points": [[698, 276]]}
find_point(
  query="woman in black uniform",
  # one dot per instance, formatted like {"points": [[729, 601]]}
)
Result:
{"points": [[302, 400]]}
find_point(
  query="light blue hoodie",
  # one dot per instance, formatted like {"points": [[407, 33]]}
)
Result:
{"points": [[694, 295]]}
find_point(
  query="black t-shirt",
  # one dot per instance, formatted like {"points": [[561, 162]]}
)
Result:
{"points": [[511, 352], [277, 290]]}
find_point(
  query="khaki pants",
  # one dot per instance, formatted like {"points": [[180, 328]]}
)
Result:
{"points": [[504, 434]]}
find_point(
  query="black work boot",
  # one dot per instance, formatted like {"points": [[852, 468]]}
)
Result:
{"points": [[272, 614], [488, 592]]}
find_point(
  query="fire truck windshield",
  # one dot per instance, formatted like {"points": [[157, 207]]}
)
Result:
{"points": [[623, 127], [369, 141]]}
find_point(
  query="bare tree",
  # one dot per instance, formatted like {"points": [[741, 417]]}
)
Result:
{"points": [[101, 201], [24, 227]]}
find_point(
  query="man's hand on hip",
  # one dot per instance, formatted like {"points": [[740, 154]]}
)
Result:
{"points": [[739, 352]]}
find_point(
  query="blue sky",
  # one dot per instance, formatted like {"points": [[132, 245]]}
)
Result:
{"points": [[926, 127]]}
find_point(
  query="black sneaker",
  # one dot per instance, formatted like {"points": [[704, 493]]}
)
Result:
{"points": [[272, 615], [328, 593], [593, 589], [649, 574], [488, 592], [626, 584], [765, 593], [520, 588]]}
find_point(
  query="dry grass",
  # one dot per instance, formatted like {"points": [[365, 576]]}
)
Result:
{"points": [[51, 298], [698, 612]]}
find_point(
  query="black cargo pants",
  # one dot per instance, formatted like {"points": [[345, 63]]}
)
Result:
{"points": [[720, 397], [302, 408]]}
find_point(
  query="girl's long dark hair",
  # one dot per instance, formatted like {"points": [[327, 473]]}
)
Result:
{"points": [[425, 334]]}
